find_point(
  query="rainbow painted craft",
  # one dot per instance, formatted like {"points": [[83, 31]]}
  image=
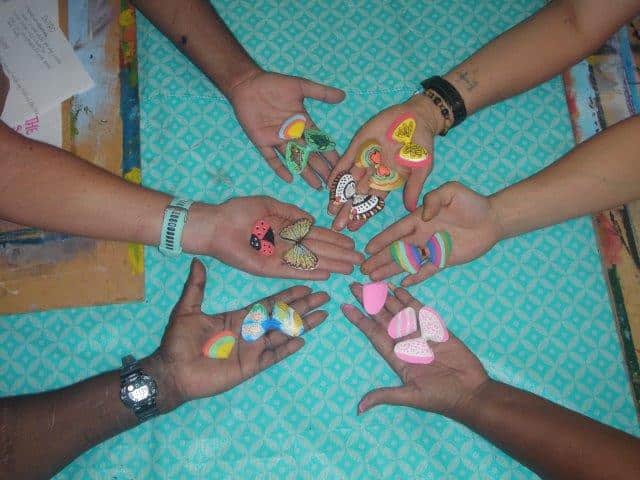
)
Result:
{"points": [[410, 257], [292, 127], [220, 345], [411, 155], [283, 318]]}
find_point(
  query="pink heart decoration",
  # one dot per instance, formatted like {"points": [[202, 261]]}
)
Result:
{"points": [[415, 350], [431, 326], [373, 296], [403, 323]]}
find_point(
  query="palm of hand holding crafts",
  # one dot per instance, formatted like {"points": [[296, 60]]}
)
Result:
{"points": [[265, 101], [381, 162], [189, 374], [249, 236], [445, 386], [469, 219]]}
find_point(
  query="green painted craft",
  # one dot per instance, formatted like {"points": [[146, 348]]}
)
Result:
{"points": [[296, 157], [318, 140]]}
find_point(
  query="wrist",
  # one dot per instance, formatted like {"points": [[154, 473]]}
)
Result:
{"points": [[240, 79], [428, 115], [200, 229], [169, 397], [473, 404], [500, 216]]}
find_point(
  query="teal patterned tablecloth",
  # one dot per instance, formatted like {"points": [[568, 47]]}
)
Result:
{"points": [[535, 309]]}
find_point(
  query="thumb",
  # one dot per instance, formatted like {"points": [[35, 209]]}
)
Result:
{"points": [[434, 201], [382, 396], [321, 92], [193, 292]]}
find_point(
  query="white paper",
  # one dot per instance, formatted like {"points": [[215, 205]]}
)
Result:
{"points": [[39, 61]]}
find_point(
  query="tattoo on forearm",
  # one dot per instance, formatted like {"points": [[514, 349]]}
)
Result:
{"points": [[468, 81]]}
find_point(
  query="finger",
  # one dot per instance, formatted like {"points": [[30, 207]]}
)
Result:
{"points": [[193, 292], [320, 167], [413, 187], [311, 178], [308, 303], [393, 305], [362, 186], [407, 299], [331, 157], [375, 332], [318, 91], [341, 219], [400, 229], [272, 356], [329, 236], [335, 266], [287, 296], [385, 396], [354, 225], [316, 275], [357, 173], [376, 261], [330, 251], [435, 200], [425, 272], [385, 271], [274, 162], [381, 317], [288, 210]]}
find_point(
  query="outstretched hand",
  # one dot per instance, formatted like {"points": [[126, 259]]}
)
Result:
{"points": [[184, 371], [228, 234], [468, 217], [428, 123], [445, 386], [264, 101]]}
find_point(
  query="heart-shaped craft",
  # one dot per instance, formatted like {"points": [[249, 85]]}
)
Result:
{"points": [[343, 188], [403, 323], [413, 155], [402, 128], [374, 295], [364, 207], [414, 350], [432, 327]]}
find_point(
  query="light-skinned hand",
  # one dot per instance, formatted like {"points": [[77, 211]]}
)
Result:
{"points": [[468, 216], [263, 101]]}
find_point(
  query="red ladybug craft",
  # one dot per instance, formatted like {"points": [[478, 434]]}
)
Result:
{"points": [[262, 238]]}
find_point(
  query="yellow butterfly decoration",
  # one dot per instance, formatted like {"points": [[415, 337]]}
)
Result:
{"points": [[299, 256]]}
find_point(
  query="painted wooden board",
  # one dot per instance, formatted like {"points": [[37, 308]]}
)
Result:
{"points": [[601, 91], [41, 270]]}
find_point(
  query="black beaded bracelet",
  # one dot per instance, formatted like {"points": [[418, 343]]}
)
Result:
{"points": [[449, 95]]}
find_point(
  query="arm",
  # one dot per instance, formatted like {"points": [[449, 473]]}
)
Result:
{"points": [[261, 100], [552, 441], [599, 174], [533, 51], [41, 433], [549, 439], [596, 175], [198, 31], [542, 46]]}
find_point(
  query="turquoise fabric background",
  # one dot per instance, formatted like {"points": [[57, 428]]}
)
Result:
{"points": [[535, 309]]}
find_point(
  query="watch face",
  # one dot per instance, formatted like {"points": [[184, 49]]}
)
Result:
{"points": [[138, 390], [138, 393]]}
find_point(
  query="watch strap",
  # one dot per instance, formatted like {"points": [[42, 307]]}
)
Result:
{"points": [[449, 95], [175, 218]]}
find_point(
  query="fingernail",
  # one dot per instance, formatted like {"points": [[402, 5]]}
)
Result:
{"points": [[360, 408]]}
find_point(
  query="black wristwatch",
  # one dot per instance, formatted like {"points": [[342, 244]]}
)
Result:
{"points": [[138, 391]]}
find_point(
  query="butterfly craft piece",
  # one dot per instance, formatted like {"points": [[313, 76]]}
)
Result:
{"points": [[384, 178], [283, 318], [417, 350], [363, 207], [299, 256], [410, 257], [411, 154], [297, 154]]}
